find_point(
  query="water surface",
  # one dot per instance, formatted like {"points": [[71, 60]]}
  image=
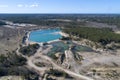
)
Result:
{"points": [[44, 35]]}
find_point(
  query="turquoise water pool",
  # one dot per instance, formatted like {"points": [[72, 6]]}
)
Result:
{"points": [[44, 35], [61, 47]]}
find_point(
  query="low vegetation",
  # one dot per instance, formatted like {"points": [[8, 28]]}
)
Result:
{"points": [[65, 38], [11, 59], [58, 73], [13, 64], [29, 50], [40, 64], [2, 23]]}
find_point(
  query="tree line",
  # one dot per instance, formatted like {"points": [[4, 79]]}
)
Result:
{"points": [[103, 36]]}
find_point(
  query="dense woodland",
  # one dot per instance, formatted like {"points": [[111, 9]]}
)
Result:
{"points": [[103, 36], [115, 20], [45, 19]]}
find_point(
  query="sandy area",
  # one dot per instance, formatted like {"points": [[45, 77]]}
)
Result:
{"points": [[9, 39], [63, 34], [118, 32], [11, 78]]}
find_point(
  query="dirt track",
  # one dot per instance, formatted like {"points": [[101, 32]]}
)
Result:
{"points": [[38, 54]]}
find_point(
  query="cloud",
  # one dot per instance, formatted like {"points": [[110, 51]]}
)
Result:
{"points": [[3, 6], [34, 5], [20, 5], [27, 6]]}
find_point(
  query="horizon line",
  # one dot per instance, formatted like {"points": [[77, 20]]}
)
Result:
{"points": [[60, 13]]}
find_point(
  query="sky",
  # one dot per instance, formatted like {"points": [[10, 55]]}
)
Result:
{"points": [[60, 6]]}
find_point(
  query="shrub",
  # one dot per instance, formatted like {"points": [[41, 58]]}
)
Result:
{"points": [[29, 50]]}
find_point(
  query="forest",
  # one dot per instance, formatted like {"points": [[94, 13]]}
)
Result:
{"points": [[103, 36], [45, 19], [111, 20]]}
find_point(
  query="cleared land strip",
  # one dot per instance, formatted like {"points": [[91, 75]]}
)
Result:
{"points": [[65, 70], [38, 54], [61, 68]]}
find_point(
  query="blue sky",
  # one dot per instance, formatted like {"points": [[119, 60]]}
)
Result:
{"points": [[59, 6]]}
